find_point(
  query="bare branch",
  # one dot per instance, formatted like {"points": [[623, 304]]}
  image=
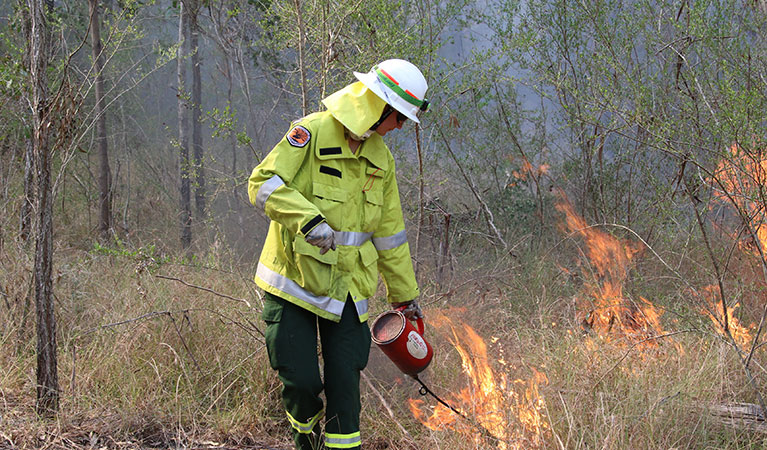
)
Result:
{"points": [[242, 300]]}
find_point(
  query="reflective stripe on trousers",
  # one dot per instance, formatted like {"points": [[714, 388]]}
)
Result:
{"points": [[305, 427], [343, 440]]}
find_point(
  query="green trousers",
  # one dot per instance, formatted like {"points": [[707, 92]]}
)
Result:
{"points": [[291, 340]]}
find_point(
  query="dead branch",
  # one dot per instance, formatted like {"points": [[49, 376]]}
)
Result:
{"points": [[124, 322], [184, 311], [485, 208], [183, 342], [386, 406], [745, 416], [205, 289]]}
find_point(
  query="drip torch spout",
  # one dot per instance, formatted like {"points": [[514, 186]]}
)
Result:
{"points": [[424, 390]]}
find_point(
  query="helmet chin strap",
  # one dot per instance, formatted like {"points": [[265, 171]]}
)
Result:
{"points": [[385, 115]]}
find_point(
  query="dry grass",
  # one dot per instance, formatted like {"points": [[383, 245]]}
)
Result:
{"points": [[145, 360]]}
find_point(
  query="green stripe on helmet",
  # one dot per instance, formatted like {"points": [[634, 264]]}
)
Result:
{"points": [[394, 87]]}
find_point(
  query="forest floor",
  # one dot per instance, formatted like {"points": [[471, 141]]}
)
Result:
{"points": [[21, 428]]}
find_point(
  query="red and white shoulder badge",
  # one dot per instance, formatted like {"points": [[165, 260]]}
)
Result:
{"points": [[299, 136]]}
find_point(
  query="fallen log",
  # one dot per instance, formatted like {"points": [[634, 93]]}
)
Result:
{"points": [[745, 416]]}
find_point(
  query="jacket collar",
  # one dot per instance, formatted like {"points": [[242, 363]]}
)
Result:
{"points": [[375, 151]]}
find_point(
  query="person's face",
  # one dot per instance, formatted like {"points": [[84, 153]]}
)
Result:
{"points": [[395, 120]]}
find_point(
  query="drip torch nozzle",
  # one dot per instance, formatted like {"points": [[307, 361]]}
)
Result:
{"points": [[424, 390]]}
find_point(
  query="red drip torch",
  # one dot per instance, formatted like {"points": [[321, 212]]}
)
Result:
{"points": [[401, 342], [407, 348]]}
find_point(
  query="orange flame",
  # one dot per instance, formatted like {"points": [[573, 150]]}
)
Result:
{"points": [[739, 180], [740, 333], [527, 171], [513, 420], [603, 308]]}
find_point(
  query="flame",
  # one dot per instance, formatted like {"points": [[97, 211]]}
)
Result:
{"points": [[511, 419], [603, 308], [527, 171], [740, 333], [739, 180]]}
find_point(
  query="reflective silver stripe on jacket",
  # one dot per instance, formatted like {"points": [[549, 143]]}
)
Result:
{"points": [[362, 307], [390, 242], [266, 190], [352, 238], [290, 287]]}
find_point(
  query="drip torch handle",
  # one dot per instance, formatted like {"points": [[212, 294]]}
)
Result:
{"points": [[419, 322], [421, 326]]}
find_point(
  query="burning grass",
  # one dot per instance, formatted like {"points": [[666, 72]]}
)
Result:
{"points": [[602, 305], [499, 410], [562, 389]]}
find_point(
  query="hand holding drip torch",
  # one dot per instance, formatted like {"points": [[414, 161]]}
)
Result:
{"points": [[411, 309]]}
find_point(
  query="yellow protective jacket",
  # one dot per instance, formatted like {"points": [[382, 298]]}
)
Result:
{"points": [[311, 175]]}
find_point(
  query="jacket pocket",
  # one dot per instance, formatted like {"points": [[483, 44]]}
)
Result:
{"points": [[315, 270], [330, 201], [369, 269], [373, 206]]}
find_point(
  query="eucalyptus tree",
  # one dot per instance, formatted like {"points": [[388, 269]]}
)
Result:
{"points": [[185, 207], [198, 166], [39, 102], [56, 85], [105, 173]]}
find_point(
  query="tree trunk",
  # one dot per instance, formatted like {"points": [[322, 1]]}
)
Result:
{"points": [[301, 60], [232, 133], [27, 207], [47, 376], [183, 132], [105, 174], [199, 171]]}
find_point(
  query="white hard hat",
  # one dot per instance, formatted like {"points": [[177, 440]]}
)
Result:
{"points": [[400, 84]]}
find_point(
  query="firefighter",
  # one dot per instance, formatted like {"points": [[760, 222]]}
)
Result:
{"points": [[330, 190]]}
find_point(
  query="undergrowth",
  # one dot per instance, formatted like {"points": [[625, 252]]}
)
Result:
{"points": [[162, 349], [163, 352]]}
